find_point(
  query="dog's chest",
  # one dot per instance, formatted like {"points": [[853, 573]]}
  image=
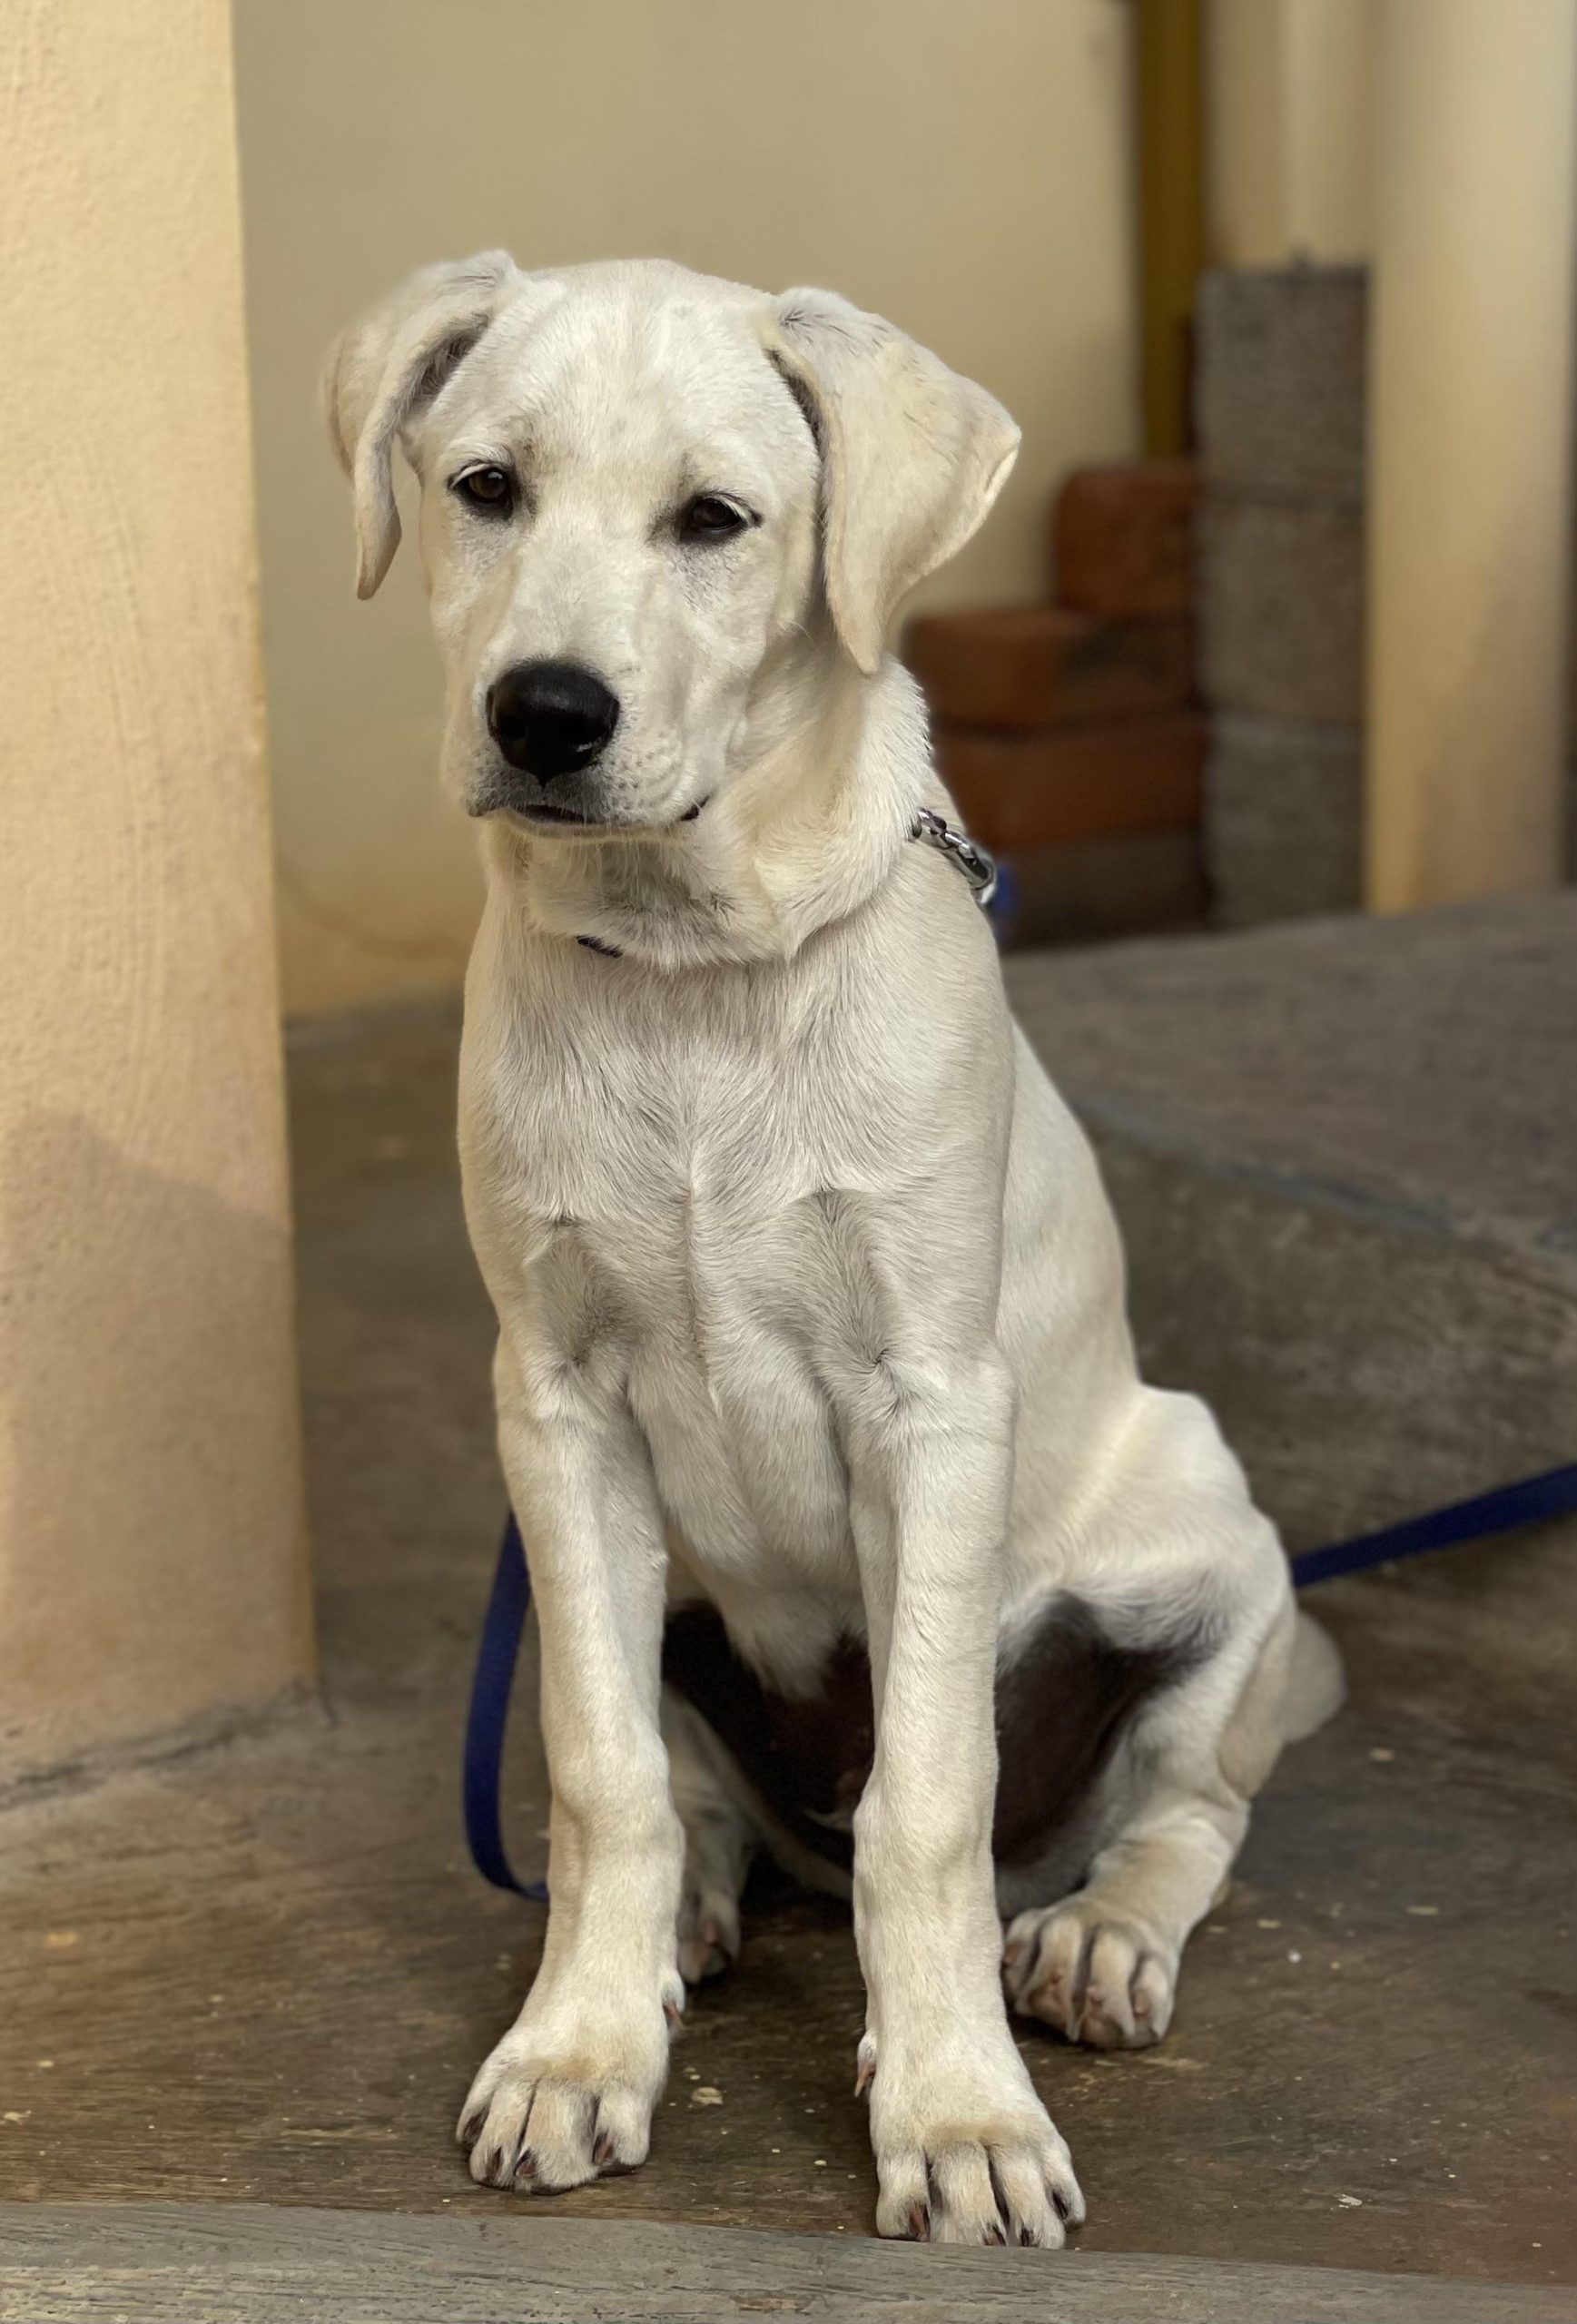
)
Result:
{"points": [[670, 1197]]}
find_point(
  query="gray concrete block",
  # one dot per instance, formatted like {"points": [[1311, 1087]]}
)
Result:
{"points": [[1281, 607], [1283, 819], [1341, 1154], [1280, 379]]}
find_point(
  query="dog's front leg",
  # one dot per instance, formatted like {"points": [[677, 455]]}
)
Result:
{"points": [[569, 2090], [965, 2152]]}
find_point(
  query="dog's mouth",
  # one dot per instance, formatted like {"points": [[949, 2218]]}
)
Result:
{"points": [[542, 815], [568, 818]]}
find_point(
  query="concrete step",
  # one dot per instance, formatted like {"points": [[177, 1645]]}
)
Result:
{"points": [[1344, 1153], [255, 2263]]}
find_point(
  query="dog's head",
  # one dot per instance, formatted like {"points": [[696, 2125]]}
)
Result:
{"points": [[644, 493]]}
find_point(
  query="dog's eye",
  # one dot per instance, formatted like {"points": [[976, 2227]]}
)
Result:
{"points": [[710, 517], [492, 490]]}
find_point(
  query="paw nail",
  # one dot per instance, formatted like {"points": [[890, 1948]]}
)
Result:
{"points": [[471, 2130], [603, 2150], [994, 2234], [673, 2013], [525, 2167], [1060, 2205], [919, 2222], [1025, 2235], [1012, 1954]]}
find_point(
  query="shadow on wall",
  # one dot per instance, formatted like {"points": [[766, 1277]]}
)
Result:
{"points": [[147, 1459]]}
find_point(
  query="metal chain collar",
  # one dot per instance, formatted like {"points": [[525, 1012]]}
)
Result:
{"points": [[977, 863]]}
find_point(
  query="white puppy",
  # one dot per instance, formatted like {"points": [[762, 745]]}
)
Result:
{"points": [[816, 1399]]}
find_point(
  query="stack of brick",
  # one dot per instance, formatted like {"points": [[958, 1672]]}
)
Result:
{"points": [[1067, 731], [1279, 415]]}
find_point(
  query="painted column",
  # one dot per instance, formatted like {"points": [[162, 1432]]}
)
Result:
{"points": [[1470, 427], [152, 1570]]}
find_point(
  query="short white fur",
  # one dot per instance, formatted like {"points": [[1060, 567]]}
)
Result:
{"points": [[810, 1300]]}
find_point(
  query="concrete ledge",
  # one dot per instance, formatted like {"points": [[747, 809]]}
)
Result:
{"points": [[1341, 1153], [66, 2263]]}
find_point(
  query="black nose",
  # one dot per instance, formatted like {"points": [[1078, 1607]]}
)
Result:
{"points": [[551, 718]]}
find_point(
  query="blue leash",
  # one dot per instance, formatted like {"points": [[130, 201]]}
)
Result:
{"points": [[489, 1715], [1551, 1494]]}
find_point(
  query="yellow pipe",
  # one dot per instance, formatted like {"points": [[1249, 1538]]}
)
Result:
{"points": [[1168, 87]]}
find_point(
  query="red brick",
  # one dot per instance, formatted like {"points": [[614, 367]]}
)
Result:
{"points": [[1122, 538], [1046, 665], [1074, 782]]}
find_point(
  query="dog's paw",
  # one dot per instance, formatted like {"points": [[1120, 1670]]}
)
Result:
{"points": [[958, 2161], [708, 1933], [1093, 1975], [543, 2115]]}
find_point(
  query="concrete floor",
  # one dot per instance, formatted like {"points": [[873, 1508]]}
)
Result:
{"points": [[265, 1972]]}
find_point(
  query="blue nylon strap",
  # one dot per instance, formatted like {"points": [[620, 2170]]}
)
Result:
{"points": [[1551, 1494], [489, 1716]]}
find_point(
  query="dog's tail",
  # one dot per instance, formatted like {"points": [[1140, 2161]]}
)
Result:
{"points": [[1316, 1686]]}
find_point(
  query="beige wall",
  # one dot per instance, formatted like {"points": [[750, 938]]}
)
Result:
{"points": [[152, 1564], [961, 168]]}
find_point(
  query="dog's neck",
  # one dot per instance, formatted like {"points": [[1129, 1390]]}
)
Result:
{"points": [[802, 834]]}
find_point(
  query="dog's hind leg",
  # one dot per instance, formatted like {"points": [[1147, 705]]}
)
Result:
{"points": [[1101, 1964], [720, 1838]]}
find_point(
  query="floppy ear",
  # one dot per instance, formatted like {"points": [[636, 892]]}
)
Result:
{"points": [[385, 367], [913, 456]]}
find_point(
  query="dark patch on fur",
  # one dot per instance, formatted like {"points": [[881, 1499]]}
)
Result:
{"points": [[1063, 1702], [806, 1759]]}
